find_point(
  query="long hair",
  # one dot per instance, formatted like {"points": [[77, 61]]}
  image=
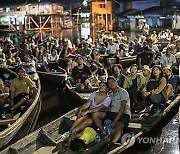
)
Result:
{"points": [[116, 65], [77, 145], [160, 75]]}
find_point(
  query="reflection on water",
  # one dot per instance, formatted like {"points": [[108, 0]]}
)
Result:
{"points": [[83, 30]]}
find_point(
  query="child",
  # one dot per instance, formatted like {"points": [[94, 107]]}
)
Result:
{"points": [[79, 141]]}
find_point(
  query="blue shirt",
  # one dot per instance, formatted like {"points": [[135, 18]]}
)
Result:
{"points": [[174, 81]]}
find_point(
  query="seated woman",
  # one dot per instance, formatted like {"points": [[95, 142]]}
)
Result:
{"points": [[134, 83], [154, 91], [53, 60], [30, 68], [117, 73], [4, 93], [97, 101], [43, 58], [95, 55], [10, 59], [64, 58]]}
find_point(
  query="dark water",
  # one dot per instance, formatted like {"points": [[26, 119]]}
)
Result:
{"points": [[168, 134]]}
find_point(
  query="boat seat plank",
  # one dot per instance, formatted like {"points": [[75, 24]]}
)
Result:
{"points": [[134, 125], [8, 121], [45, 150], [95, 148]]}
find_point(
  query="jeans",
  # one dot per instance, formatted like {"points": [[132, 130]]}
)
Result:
{"points": [[156, 99]]}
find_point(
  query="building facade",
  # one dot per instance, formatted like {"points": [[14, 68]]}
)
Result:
{"points": [[38, 17], [101, 14]]}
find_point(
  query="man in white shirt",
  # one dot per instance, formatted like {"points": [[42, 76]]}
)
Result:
{"points": [[113, 48], [168, 59]]}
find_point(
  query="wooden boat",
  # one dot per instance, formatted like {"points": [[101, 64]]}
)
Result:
{"points": [[124, 61], [23, 125], [44, 139], [56, 99], [56, 77]]}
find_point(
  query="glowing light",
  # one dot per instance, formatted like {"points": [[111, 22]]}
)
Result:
{"points": [[85, 3], [47, 6]]}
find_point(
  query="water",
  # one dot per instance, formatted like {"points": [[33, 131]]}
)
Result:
{"points": [[163, 139]]}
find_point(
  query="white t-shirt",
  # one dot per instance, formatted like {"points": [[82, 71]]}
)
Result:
{"points": [[52, 58], [113, 48], [154, 48], [168, 61], [116, 101]]}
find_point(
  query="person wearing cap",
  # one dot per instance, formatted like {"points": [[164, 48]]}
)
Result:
{"points": [[146, 72], [171, 79], [21, 88], [168, 59]]}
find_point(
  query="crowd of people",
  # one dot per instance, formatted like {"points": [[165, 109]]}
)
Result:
{"points": [[142, 87]]}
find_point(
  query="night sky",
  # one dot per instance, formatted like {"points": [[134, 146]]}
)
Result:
{"points": [[67, 2], [9, 2]]}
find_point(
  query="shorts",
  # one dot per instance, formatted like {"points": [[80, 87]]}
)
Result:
{"points": [[112, 115], [20, 96]]}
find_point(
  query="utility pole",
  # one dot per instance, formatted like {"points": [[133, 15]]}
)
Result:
{"points": [[106, 15], [40, 20]]}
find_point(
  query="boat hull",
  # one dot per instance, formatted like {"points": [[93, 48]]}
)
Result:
{"points": [[49, 135], [23, 125]]}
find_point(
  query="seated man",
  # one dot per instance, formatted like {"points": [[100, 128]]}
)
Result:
{"points": [[21, 89], [119, 111], [171, 79]]}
